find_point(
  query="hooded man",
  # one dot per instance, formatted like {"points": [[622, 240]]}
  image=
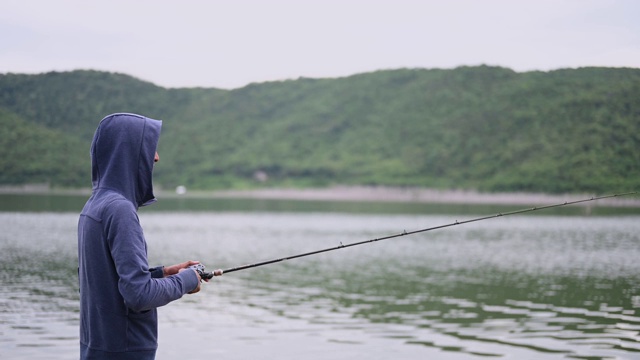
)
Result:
{"points": [[119, 292]]}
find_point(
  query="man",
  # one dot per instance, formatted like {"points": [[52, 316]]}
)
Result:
{"points": [[119, 293]]}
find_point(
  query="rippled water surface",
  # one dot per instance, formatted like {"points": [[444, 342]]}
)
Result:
{"points": [[519, 287]]}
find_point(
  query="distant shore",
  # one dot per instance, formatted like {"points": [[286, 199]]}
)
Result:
{"points": [[415, 195], [370, 193]]}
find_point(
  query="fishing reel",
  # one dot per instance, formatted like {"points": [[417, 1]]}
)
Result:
{"points": [[199, 268]]}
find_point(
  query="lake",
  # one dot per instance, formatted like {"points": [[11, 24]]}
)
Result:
{"points": [[552, 284]]}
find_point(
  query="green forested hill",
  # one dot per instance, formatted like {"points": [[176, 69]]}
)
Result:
{"points": [[484, 128]]}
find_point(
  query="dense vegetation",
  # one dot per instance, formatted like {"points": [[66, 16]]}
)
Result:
{"points": [[485, 128]]}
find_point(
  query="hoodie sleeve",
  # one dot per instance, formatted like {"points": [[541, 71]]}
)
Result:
{"points": [[157, 272], [138, 288]]}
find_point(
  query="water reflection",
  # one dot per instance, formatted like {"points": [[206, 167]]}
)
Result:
{"points": [[38, 286], [473, 312], [524, 287], [505, 289]]}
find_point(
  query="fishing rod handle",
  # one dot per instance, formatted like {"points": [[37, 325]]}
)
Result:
{"points": [[200, 269]]}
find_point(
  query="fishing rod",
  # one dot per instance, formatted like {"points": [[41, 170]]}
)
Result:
{"points": [[208, 275]]}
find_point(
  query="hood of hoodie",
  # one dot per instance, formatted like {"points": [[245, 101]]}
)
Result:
{"points": [[122, 156]]}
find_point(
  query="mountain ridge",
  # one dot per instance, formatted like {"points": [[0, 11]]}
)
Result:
{"points": [[477, 128]]}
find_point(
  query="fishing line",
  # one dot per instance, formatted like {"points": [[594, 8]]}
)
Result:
{"points": [[209, 275]]}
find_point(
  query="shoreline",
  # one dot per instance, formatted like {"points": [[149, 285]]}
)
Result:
{"points": [[410, 195], [368, 194]]}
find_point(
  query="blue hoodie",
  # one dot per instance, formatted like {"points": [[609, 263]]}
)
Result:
{"points": [[119, 293]]}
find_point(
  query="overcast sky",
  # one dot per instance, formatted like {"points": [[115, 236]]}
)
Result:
{"points": [[228, 44]]}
